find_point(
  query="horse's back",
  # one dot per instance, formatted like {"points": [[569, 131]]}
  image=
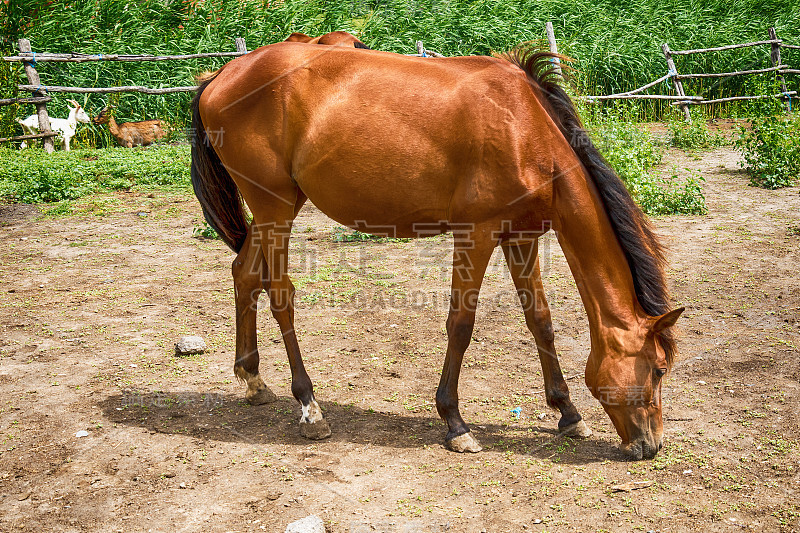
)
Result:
{"points": [[381, 137]]}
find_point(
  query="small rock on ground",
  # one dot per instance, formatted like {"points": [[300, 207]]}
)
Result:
{"points": [[190, 346], [309, 524]]}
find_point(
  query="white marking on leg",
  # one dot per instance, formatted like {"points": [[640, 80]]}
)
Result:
{"points": [[254, 383], [311, 413]]}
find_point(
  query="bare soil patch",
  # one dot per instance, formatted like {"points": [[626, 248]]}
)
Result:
{"points": [[93, 303]]}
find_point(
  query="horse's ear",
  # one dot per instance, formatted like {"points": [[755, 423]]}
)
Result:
{"points": [[667, 320]]}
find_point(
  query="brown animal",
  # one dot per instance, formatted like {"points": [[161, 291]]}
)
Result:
{"points": [[490, 149], [130, 134]]}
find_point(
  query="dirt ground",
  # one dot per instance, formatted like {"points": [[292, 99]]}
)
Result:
{"points": [[93, 303]]}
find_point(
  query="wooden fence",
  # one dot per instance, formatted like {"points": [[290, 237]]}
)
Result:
{"points": [[684, 101], [40, 92], [40, 96]]}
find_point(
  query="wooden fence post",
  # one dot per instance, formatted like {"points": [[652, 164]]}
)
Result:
{"points": [[240, 44], [775, 55], [675, 80], [41, 108], [551, 40]]}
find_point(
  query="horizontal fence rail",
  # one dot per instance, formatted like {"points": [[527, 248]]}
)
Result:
{"points": [[120, 89], [34, 100], [737, 98], [779, 68], [727, 47], [631, 96], [82, 58], [47, 135]]}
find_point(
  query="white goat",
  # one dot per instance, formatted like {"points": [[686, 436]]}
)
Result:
{"points": [[65, 127]]}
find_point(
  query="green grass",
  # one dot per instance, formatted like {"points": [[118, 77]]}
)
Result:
{"points": [[32, 176], [343, 234], [693, 135], [633, 153], [616, 46], [771, 151]]}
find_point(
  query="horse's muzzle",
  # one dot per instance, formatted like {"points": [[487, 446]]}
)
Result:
{"points": [[642, 448]]}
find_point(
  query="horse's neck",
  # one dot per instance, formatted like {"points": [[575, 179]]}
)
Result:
{"points": [[595, 257]]}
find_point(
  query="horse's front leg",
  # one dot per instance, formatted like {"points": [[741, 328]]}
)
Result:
{"points": [[249, 278], [275, 245], [522, 259], [471, 255]]}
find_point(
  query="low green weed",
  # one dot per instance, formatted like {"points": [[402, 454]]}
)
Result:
{"points": [[632, 153], [771, 151], [205, 231], [343, 234], [33, 176], [693, 135], [673, 195]]}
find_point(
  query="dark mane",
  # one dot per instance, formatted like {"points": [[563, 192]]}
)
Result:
{"points": [[644, 253]]}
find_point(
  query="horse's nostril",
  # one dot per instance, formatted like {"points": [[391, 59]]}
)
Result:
{"points": [[660, 445]]}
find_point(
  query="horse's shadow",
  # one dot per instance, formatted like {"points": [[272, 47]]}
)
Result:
{"points": [[228, 418]]}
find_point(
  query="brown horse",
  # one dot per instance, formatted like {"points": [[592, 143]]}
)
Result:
{"points": [[488, 148]]}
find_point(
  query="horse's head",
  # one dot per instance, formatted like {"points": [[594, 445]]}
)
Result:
{"points": [[624, 373]]}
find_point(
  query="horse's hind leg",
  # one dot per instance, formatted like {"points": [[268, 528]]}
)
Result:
{"points": [[249, 278], [522, 259], [471, 255], [274, 233]]}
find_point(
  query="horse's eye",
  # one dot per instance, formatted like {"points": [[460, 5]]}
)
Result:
{"points": [[660, 372]]}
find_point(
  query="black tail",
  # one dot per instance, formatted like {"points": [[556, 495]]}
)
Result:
{"points": [[644, 253], [218, 195]]}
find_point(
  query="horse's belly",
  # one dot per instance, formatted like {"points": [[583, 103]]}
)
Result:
{"points": [[387, 185], [370, 205]]}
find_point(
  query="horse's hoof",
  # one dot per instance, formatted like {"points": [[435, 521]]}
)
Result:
{"points": [[578, 429], [260, 396], [315, 430], [464, 443]]}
